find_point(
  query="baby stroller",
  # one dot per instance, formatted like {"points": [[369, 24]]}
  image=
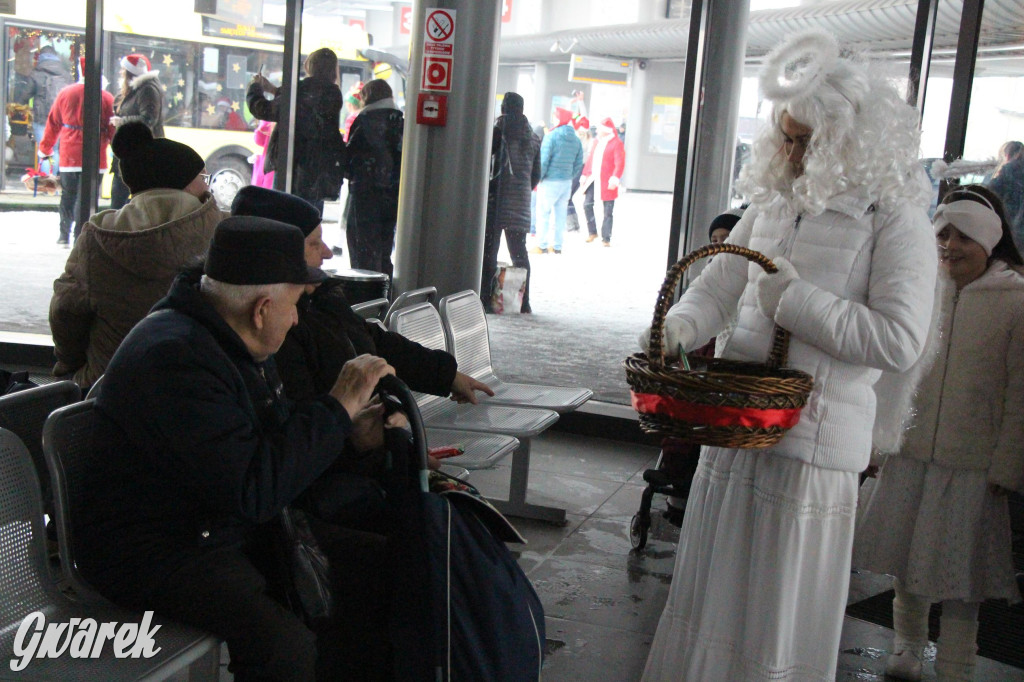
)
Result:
{"points": [[672, 476]]}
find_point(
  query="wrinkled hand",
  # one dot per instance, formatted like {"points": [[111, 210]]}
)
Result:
{"points": [[356, 381], [679, 338], [368, 428], [464, 389], [768, 289], [116, 121]]}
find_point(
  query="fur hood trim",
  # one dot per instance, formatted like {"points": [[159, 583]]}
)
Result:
{"points": [[139, 80]]}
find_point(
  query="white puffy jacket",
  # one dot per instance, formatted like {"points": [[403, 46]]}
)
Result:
{"points": [[862, 304], [970, 406]]}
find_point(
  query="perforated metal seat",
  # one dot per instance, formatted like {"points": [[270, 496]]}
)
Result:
{"points": [[408, 298], [422, 323], [25, 412], [375, 309], [25, 588], [480, 451], [465, 327]]}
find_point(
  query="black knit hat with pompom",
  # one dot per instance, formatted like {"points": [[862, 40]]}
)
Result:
{"points": [[148, 163]]}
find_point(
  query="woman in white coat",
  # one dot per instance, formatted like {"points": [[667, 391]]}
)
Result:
{"points": [[762, 568], [937, 517]]}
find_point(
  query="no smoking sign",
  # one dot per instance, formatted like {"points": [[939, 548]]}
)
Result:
{"points": [[438, 50], [437, 74]]}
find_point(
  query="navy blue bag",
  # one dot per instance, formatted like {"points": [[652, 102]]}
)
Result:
{"points": [[462, 610]]}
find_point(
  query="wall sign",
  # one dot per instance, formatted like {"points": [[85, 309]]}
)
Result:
{"points": [[438, 50]]}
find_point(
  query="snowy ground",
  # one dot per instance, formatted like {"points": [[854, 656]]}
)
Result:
{"points": [[589, 302]]}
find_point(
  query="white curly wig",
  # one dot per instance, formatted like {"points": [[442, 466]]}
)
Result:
{"points": [[864, 135]]}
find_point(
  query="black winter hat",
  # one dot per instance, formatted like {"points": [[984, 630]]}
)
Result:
{"points": [[253, 250], [725, 221], [148, 163], [268, 203]]}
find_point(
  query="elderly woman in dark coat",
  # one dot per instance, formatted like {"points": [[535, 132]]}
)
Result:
{"points": [[515, 172]]}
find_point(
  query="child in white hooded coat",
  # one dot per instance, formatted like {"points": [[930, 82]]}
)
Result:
{"points": [[937, 517]]}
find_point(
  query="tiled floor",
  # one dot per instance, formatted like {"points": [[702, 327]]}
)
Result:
{"points": [[602, 600]]}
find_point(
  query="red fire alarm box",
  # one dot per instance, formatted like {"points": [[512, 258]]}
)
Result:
{"points": [[432, 109]]}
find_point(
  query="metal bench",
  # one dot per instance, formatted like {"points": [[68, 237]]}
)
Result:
{"points": [[372, 310], [421, 323], [465, 328], [25, 412], [404, 300], [27, 590]]}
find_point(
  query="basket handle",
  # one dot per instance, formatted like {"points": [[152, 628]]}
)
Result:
{"points": [[656, 354]]}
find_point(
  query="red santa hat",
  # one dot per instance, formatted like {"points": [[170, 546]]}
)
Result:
{"points": [[608, 123], [563, 116], [135, 64]]}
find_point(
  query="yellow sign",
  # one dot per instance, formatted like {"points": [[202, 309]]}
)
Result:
{"points": [[382, 71]]}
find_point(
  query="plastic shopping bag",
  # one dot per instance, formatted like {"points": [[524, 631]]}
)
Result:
{"points": [[508, 290]]}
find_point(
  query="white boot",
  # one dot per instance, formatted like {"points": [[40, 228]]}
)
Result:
{"points": [[957, 650], [910, 620]]}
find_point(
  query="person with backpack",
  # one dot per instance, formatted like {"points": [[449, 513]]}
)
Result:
{"points": [[373, 165], [515, 172], [316, 174], [48, 78]]}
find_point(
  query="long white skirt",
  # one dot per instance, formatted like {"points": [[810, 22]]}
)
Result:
{"points": [[762, 572], [939, 530]]}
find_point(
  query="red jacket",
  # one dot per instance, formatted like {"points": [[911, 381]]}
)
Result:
{"points": [[613, 162], [65, 124]]}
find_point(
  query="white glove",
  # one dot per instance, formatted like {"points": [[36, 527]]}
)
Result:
{"points": [[613, 182], [42, 155], [678, 339], [768, 289], [116, 121]]}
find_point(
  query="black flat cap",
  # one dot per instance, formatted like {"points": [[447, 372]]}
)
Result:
{"points": [[252, 250], [286, 208]]}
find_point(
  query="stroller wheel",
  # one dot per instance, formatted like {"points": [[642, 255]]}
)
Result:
{"points": [[638, 530]]}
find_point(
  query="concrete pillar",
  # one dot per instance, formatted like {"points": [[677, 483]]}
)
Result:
{"points": [[443, 195]]}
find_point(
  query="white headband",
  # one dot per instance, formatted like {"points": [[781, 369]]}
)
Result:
{"points": [[977, 221]]}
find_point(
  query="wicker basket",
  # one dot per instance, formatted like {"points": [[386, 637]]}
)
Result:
{"points": [[718, 402]]}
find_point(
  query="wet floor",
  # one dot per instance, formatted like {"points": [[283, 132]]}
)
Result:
{"points": [[602, 600]]}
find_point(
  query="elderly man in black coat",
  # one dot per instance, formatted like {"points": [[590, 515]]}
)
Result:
{"points": [[329, 333], [198, 446], [515, 172]]}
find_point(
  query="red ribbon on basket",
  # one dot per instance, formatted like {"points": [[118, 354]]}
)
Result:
{"points": [[695, 413], [33, 173]]}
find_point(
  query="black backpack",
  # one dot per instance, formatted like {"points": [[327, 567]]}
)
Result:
{"points": [[12, 382]]}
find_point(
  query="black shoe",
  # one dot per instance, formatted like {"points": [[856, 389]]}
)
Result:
{"points": [[62, 241], [673, 515]]}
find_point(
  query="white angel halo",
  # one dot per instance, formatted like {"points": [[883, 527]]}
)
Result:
{"points": [[799, 65]]}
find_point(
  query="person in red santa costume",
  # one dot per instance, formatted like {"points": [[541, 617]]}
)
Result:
{"points": [[64, 125], [609, 158]]}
